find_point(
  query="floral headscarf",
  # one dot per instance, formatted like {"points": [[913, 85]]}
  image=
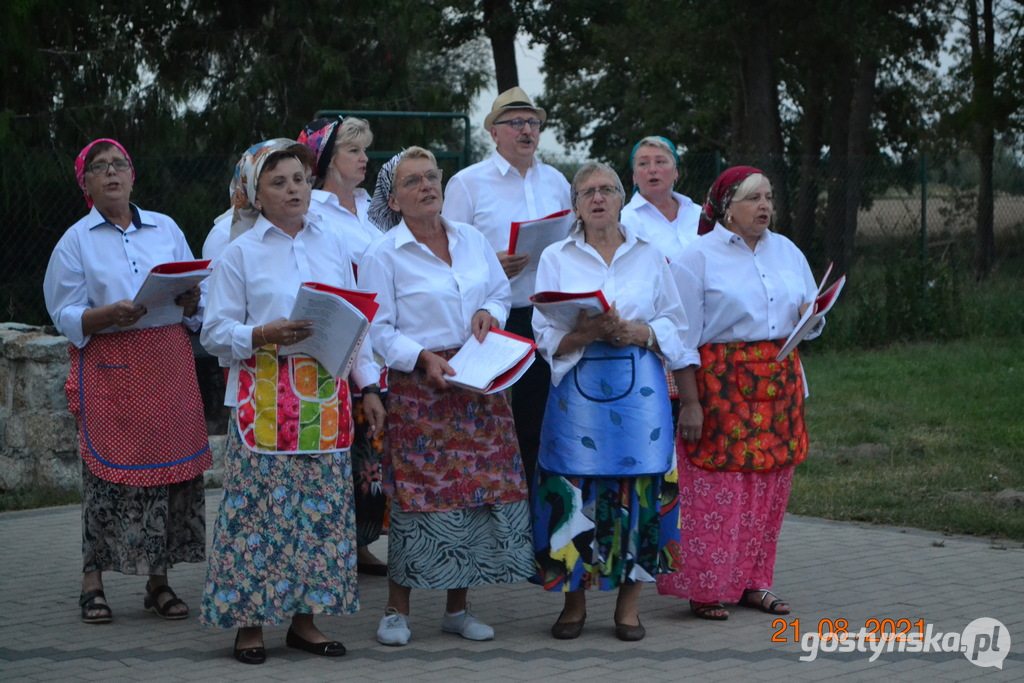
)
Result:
{"points": [[80, 164], [380, 213], [319, 136], [247, 171], [720, 195]]}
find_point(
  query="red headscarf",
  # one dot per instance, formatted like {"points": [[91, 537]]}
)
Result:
{"points": [[80, 164], [720, 195]]}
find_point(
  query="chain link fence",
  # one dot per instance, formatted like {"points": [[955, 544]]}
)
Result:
{"points": [[919, 222]]}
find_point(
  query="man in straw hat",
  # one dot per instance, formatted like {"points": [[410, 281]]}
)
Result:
{"points": [[513, 185]]}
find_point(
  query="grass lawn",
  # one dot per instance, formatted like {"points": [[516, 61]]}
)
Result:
{"points": [[922, 435]]}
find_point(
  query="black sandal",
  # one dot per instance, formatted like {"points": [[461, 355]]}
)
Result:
{"points": [[776, 606], [152, 603], [89, 604]]}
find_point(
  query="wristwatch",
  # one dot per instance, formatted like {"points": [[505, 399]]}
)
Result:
{"points": [[650, 337], [371, 389]]}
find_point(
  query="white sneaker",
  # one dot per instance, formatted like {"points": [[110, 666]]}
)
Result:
{"points": [[466, 625], [394, 628]]}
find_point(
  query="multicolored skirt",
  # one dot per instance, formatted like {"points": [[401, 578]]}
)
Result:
{"points": [[603, 532], [284, 541], [449, 449]]}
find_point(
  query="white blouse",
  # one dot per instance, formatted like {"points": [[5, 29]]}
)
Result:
{"points": [[255, 281], [95, 263], [356, 227], [731, 293], [650, 224], [638, 280], [424, 302]]}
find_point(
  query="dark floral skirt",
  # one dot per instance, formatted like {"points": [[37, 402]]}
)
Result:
{"points": [[141, 530]]}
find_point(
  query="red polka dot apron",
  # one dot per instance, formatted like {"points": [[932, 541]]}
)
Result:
{"points": [[136, 400], [292, 404], [753, 408]]}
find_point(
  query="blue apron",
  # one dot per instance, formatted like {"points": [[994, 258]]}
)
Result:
{"points": [[609, 417]]}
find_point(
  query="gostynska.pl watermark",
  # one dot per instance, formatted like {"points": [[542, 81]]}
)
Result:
{"points": [[984, 642]]}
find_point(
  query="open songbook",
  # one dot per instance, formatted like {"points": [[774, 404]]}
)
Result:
{"points": [[563, 308], [340, 317], [163, 285], [824, 299], [492, 365]]}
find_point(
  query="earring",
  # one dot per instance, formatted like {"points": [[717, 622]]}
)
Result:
{"points": [[728, 219]]}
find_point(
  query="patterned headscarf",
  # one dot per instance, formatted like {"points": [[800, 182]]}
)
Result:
{"points": [[720, 195], [319, 136], [380, 213], [247, 172], [80, 164]]}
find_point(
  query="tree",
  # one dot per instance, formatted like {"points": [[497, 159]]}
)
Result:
{"points": [[778, 84]]}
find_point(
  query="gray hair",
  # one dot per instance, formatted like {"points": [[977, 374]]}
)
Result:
{"points": [[588, 169]]}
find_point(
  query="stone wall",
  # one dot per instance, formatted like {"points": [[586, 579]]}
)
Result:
{"points": [[38, 436]]}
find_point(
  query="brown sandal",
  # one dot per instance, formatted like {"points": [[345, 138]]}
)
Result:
{"points": [[713, 611]]}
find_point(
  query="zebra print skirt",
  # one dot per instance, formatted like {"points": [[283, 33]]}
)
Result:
{"points": [[476, 546]]}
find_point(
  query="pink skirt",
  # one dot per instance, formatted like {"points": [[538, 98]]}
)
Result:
{"points": [[730, 523]]}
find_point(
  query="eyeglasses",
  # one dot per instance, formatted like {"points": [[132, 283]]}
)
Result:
{"points": [[102, 166], [607, 191], [519, 124], [411, 182]]}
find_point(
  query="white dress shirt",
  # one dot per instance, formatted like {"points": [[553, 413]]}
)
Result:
{"points": [[255, 281], [356, 227], [491, 194], [219, 235], [731, 293], [650, 224], [424, 302], [638, 280], [95, 263]]}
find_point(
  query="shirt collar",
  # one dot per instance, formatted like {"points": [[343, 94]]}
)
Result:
{"points": [[726, 236], [140, 219], [576, 236], [403, 235], [262, 226], [503, 164]]}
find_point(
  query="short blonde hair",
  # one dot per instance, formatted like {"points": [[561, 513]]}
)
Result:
{"points": [[354, 129], [409, 153]]}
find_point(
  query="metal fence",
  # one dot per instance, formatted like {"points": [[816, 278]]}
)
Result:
{"points": [[917, 212]]}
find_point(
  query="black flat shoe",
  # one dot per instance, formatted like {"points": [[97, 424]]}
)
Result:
{"points": [[568, 630], [249, 655], [331, 648], [630, 633]]}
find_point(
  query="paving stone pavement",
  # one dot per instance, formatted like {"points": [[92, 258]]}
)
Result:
{"points": [[827, 571]]}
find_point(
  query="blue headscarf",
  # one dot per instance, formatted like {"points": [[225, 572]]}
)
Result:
{"points": [[632, 155]]}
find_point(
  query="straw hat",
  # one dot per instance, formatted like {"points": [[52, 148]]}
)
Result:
{"points": [[513, 98]]}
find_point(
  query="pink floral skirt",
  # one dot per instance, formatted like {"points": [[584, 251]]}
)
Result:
{"points": [[730, 523]]}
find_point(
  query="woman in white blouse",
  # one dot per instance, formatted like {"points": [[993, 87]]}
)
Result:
{"points": [[744, 288], [340, 149], [132, 388], [459, 515], [284, 541], [656, 212], [605, 509]]}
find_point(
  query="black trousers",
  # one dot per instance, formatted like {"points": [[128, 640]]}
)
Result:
{"points": [[529, 395]]}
